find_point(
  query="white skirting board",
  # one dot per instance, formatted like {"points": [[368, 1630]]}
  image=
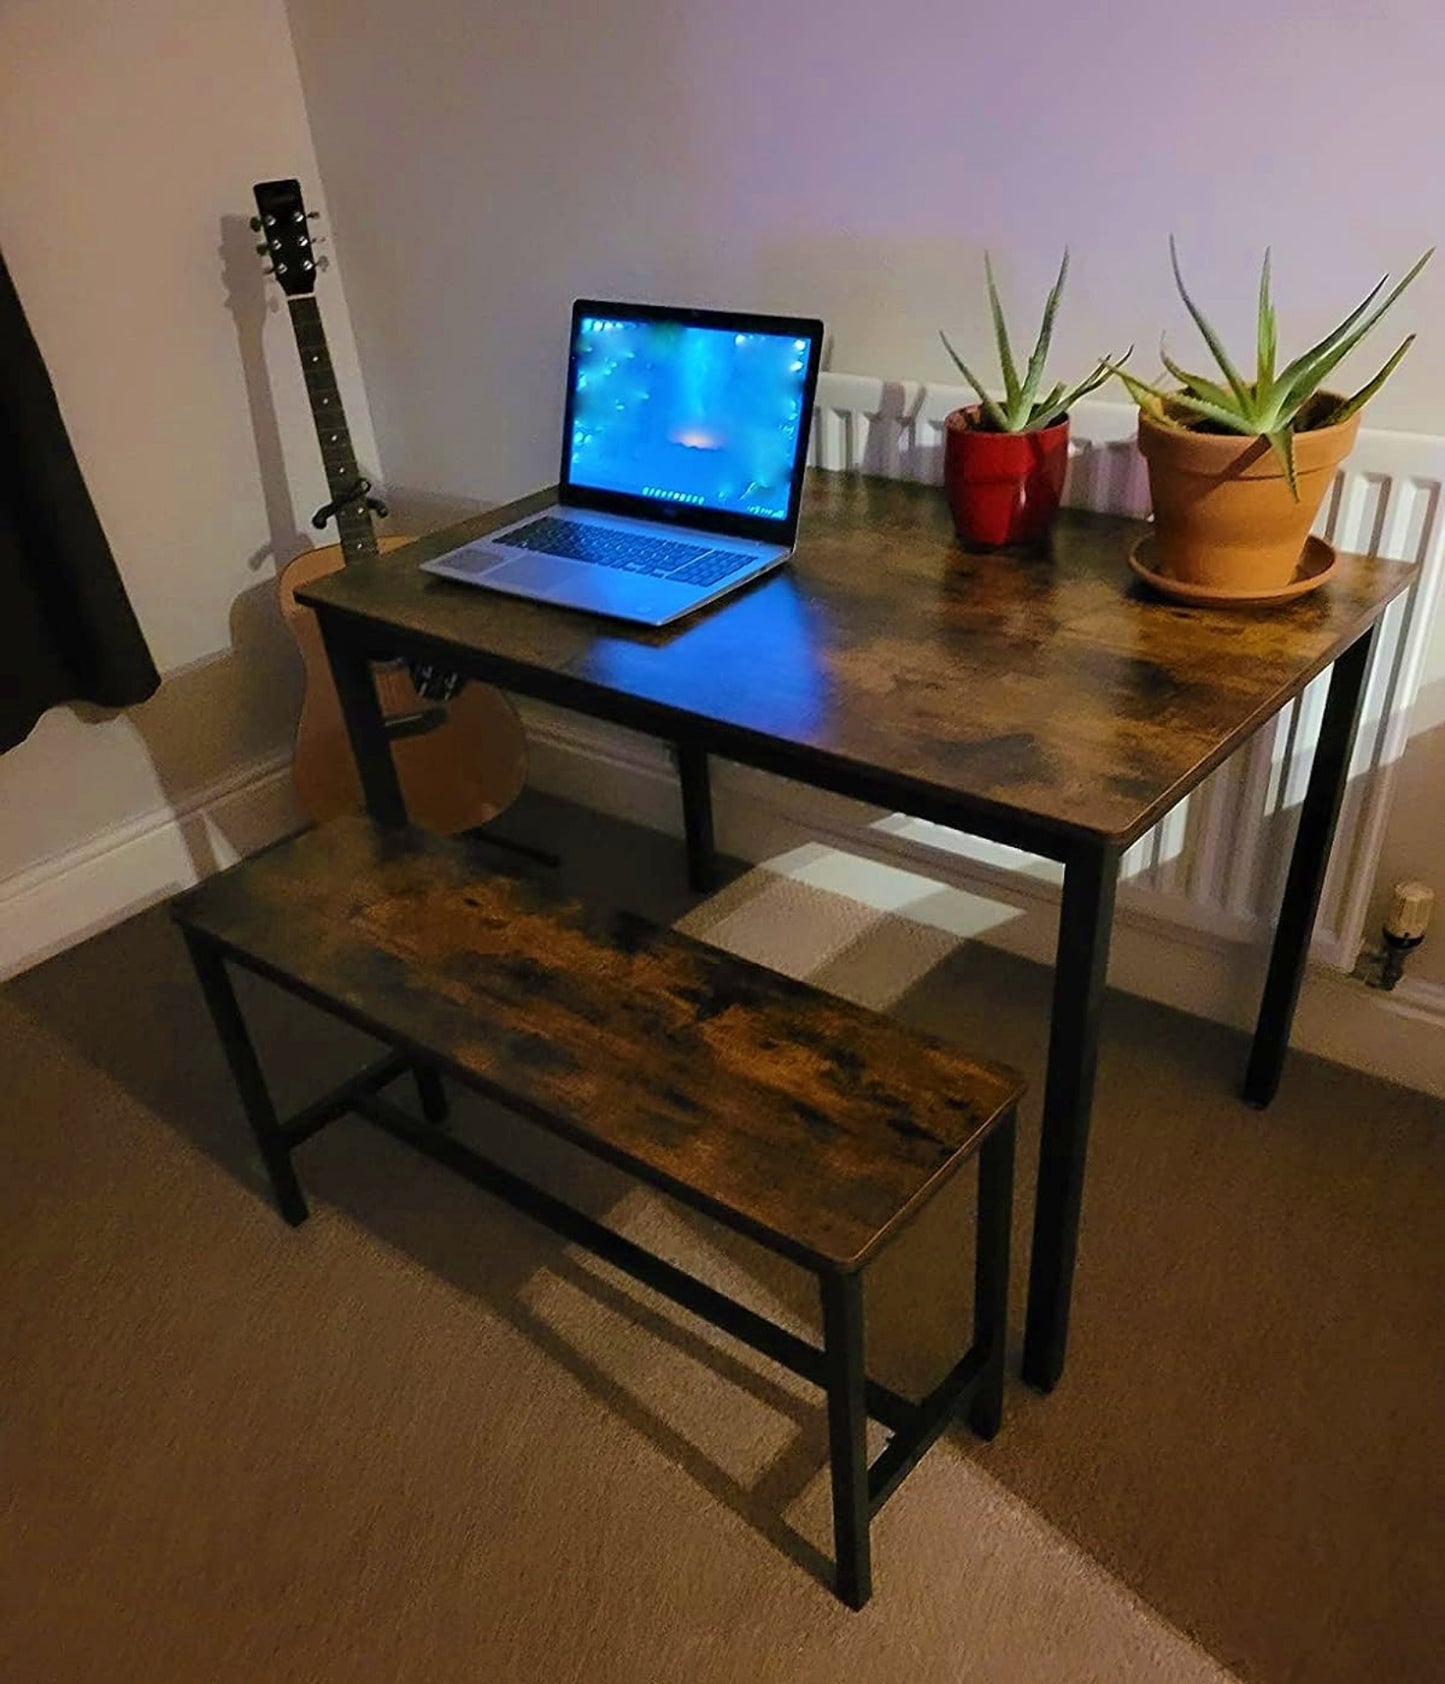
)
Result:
{"points": [[108, 877]]}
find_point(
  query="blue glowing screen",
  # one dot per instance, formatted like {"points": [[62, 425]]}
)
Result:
{"points": [[691, 415]]}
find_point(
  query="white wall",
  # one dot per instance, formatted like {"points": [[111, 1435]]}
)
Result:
{"points": [[854, 159], [131, 135]]}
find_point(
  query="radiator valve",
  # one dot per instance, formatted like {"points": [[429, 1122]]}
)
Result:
{"points": [[1405, 926]]}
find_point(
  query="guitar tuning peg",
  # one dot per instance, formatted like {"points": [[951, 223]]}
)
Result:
{"points": [[268, 270], [262, 249], [313, 216], [319, 240], [255, 224]]}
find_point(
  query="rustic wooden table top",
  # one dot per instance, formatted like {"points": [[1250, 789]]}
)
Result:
{"points": [[1053, 689]]}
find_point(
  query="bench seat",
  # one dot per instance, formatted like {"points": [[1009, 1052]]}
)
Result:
{"points": [[812, 1125]]}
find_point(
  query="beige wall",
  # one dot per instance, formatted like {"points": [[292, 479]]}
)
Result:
{"points": [[131, 134], [853, 159]]}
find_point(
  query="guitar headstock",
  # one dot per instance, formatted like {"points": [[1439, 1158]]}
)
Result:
{"points": [[286, 224]]}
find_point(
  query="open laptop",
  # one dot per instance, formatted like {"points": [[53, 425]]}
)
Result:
{"points": [[682, 464]]}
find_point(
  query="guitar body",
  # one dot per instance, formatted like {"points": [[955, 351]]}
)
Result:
{"points": [[461, 760], [462, 773]]}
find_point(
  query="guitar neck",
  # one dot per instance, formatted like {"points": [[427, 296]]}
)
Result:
{"points": [[353, 523]]}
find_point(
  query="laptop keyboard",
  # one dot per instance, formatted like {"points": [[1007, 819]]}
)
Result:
{"points": [[628, 552]]}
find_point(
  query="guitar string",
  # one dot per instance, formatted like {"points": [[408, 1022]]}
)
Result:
{"points": [[428, 683]]}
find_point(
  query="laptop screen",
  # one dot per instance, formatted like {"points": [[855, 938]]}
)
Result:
{"points": [[690, 415]]}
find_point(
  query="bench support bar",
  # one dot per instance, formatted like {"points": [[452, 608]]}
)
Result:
{"points": [[859, 1490], [891, 1408], [314, 1117]]}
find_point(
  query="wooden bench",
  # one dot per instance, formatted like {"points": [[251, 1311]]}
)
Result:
{"points": [[815, 1127]]}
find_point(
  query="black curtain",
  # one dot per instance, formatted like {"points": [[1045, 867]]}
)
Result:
{"points": [[67, 629]]}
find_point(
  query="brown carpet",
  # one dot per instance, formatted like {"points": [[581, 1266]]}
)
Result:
{"points": [[420, 1440]]}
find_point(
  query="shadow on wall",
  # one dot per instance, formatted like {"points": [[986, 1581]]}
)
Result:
{"points": [[417, 512], [241, 705], [215, 723], [248, 302]]}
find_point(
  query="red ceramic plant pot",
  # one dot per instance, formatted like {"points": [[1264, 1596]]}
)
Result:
{"points": [[1003, 488]]}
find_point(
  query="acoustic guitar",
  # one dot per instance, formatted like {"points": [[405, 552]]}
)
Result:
{"points": [[459, 748]]}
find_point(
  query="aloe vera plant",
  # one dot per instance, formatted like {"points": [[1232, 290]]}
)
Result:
{"points": [[1272, 406], [1022, 409]]}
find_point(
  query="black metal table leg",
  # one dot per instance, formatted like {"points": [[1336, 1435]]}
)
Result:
{"points": [[990, 1274], [1082, 961], [847, 1433], [365, 722], [246, 1071], [692, 773], [1319, 814]]}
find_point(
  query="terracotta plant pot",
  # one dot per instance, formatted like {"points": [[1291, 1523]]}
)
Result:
{"points": [[1223, 513], [1003, 488]]}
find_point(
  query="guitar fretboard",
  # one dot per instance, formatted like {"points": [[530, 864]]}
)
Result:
{"points": [[353, 523]]}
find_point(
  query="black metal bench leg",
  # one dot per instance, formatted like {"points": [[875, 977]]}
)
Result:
{"points": [[431, 1093], [847, 1433], [246, 1071], [990, 1274]]}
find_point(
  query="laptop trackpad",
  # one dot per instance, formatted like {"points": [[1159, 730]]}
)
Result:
{"points": [[535, 575]]}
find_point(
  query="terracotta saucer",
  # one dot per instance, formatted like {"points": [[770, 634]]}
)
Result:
{"points": [[1316, 565]]}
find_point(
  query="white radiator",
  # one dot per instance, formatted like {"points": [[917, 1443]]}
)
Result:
{"points": [[1216, 862]]}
